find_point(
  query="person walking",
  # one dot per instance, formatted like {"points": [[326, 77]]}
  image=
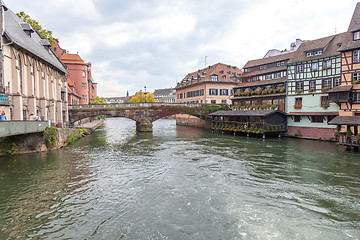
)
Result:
{"points": [[3, 116]]}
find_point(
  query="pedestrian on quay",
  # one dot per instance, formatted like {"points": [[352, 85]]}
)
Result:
{"points": [[3, 116]]}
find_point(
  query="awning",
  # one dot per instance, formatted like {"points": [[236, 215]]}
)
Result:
{"points": [[346, 120], [247, 113], [344, 88], [313, 114]]}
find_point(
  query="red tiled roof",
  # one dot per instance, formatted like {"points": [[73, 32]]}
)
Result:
{"points": [[71, 58]]}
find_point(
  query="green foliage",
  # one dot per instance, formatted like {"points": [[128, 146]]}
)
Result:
{"points": [[213, 108], [50, 135], [98, 100], [12, 149], [47, 34], [349, 133]]}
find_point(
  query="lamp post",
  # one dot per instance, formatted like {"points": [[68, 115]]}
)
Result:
{"points": [[145, 93]]}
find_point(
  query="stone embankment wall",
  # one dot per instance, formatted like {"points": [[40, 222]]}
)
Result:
{"points": [[191, 121], [36, 142]]}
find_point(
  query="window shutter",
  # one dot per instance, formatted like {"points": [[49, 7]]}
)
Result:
{"points": [[216, 92], [209, 91]]}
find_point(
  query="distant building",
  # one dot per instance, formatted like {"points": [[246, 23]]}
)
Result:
{"points": [[212, 84], [113, 100], [160, 94], [80, 77], [33, 79], [171, 98]]}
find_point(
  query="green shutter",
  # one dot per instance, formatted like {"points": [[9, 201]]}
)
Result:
{"points": [[209, 91], [217, 92]]}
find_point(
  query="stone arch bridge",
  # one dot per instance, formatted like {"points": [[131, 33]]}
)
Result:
{"points": [[143, 113]]}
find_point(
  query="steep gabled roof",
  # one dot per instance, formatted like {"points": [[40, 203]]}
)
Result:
{"points": [[15, 33], [354, 25], [267, 60], [71, 58], [329, 45]]}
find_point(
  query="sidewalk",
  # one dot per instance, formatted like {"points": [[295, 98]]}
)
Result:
{"points": [[91, 125]]}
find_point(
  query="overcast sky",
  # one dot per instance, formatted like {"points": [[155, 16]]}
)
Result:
{"points": [[155, 43]]}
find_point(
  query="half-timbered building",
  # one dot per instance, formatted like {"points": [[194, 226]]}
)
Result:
{"points": [[312, 72], [347, 95]]}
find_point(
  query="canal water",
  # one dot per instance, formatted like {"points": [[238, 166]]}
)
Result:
{"points": [[181, 183]]}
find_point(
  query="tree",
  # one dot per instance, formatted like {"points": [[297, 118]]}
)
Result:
{"points": [[98, 100], [46, 34], [141, 97]]}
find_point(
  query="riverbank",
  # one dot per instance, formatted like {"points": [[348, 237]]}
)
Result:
{"points": [[51, 139]]}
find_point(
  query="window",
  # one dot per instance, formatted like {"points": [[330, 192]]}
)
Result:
{"points": [[213, 101], [213, 91], [356, 35], [224, 92], [356, 77], [214, 77], [318, 52], [202, 92], [356, 97], [309, 54], [297, 118], [83, 85], [247, 69], [84, 98], [327, 64], [299, 86], [278, 64], [267, 77], [282, 63], [356, 56], [299, 68], [315, 66], [84, 74], [277, 75], [312, 85], [223, 101], [224, 77], [324, 101], [263, 67], [337, 81], [317, 119], [326, 83]]}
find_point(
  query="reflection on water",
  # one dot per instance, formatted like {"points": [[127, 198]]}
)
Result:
{"points": [[181, 183]]}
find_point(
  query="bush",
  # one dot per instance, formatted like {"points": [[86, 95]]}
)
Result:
{"points": [[50, 134]]}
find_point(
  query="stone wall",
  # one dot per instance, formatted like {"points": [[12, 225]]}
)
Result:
{"points": [[188, 120], [311, 133]]}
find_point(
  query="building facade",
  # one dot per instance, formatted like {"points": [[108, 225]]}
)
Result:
{"points": [[312, 72], [263, 83], [211, 85], [160, 94], [82, 87], [347, 95], [33, 78]]}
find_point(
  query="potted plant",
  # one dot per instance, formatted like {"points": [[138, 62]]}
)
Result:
{"points": [[298, 91], [355, 82], [325, 106], [282, 89], [311, 90], [298, 106]]}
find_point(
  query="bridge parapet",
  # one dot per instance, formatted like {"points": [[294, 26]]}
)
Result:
{"points": [[130, 105]]}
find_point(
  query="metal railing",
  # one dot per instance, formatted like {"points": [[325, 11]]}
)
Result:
{"points": [[10, 128], [348, 141]]}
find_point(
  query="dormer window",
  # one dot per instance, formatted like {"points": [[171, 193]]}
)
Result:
{"points": [[214, 77], [356, 56], [247, 69], [318, 52], [309, 54], [262, 67], [356, 35]]}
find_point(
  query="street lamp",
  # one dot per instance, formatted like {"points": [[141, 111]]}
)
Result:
{"points": [[145, 93]]}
